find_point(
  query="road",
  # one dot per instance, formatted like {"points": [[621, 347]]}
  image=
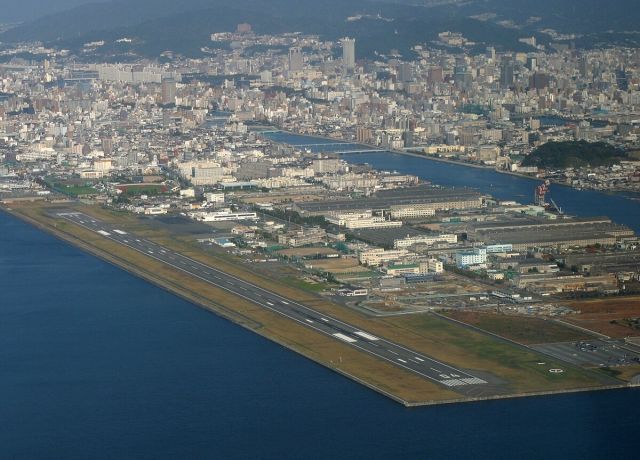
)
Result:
{"points": [[356, 337]]}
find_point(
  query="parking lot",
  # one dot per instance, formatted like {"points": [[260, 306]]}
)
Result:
{"points": [[591, 353]]}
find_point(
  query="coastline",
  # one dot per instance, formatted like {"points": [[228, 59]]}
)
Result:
{"points": [[201, 300], [219, 309]]}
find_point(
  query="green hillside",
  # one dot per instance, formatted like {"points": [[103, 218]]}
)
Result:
{"points": [[574, 154]]}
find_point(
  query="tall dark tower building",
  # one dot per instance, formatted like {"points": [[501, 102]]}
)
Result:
{"points": [[539, 80], [507, 72], [461, 75], [621, 80], [168, 91], [405, 72]]}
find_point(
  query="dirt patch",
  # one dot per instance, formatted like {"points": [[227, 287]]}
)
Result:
{"points": [[336, 265], [307, 252], [618, 305], [607, 316]]}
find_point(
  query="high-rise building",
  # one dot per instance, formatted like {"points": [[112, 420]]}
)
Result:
{"points": [[107, 145], [584, 66], [168, 91], [507, 77], [436, 75], [349, 54], [405, 72], [295, 59], [491, 53], [462, 77], [538, 80], [622, 80]]}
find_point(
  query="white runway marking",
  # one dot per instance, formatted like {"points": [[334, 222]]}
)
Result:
{"points": [[366, 336], [447, 377], [346, 338]]}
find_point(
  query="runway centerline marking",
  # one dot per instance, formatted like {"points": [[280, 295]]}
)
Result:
{"points": [[344, 328]]}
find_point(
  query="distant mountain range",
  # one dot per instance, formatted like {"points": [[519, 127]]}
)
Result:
{"points": [[29, 10], [185, 26]]}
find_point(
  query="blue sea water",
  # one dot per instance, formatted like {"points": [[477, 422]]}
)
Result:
{"points": [[98, 364]]}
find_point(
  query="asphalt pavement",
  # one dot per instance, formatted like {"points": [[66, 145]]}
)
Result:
{"points": [[353, 336]]}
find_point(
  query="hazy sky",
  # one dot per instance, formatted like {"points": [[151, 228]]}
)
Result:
{"points": [[25, 10]]}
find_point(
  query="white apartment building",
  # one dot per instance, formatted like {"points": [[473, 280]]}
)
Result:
{"points": [[378, 256], [37, 155], [202, 172], [476, 256], [214, 197]]}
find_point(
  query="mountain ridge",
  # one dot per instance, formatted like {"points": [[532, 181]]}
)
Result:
{"points": [[185, 27]]}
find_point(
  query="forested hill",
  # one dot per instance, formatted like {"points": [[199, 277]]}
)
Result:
{"points": [[379, 26], [574, 154]]}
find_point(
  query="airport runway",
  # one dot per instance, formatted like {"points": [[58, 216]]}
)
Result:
{"points": [[399, 355]]}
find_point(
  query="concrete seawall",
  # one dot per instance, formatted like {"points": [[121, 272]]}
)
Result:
{"points": [[257, 327]]}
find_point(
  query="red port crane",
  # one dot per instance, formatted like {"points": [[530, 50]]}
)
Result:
{"points": [[541, 191]]}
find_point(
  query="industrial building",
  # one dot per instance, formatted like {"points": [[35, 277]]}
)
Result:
{"points": [[423, 200], [530, 232], [366, 219], [222, 216], [548, 284]]}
